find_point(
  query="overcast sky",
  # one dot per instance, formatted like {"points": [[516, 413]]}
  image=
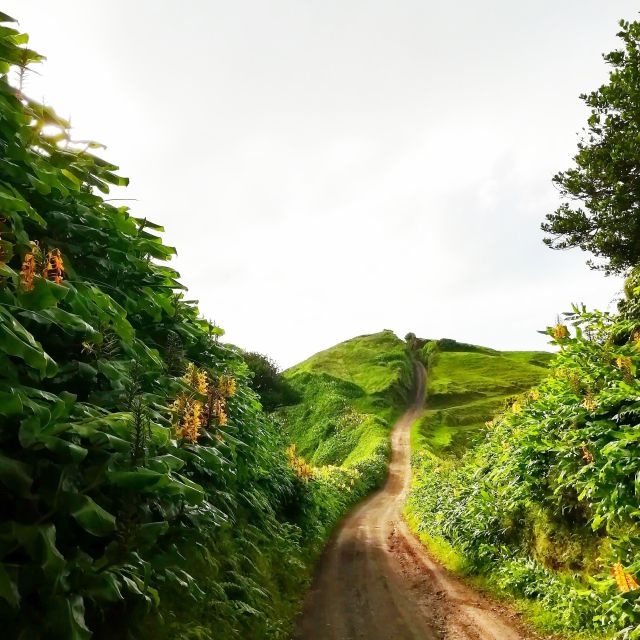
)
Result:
{"points": [[328, 168]]}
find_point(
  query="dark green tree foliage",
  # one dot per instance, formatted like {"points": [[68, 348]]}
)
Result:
{"points": [[602, 212], [268, 382], [106, 515]]}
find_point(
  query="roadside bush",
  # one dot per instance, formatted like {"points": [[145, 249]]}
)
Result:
{"points": [[142, 488], [547, 503], [268, 382]]}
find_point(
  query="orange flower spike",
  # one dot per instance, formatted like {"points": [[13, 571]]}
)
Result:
{"points": [[625, 581], [54, 268], [587, 456], [227, 386], [589, 403], [194, 423], [625, 364], [28, 271], [202, 384], [189, 427], [560, 332], [189, 374], [179, 404]]}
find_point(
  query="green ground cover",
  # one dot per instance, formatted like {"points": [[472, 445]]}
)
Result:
{"points": [[349, 398], [541, 503], [466, 388]]}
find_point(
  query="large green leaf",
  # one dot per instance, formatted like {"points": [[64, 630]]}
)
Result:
{"points": [[68, 322], [92, 517], [8, 588], [66, 618], [16, 341], [10, 403], [44, 295], [140, 480], [15, 475]]}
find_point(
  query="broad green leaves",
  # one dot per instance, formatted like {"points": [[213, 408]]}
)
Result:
{"points": [[92, 517], [550, 496], [101, 501]]}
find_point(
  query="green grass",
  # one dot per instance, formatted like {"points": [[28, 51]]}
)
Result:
{"points": [[350, 397], [376, 363], [466, 388]]}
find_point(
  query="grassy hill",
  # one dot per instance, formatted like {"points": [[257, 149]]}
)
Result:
{"points": [[466, 386], [350, 396]]}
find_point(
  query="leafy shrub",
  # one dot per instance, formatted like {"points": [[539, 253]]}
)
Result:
{"points": [[143, 491], [268, 382], [547, 503]]}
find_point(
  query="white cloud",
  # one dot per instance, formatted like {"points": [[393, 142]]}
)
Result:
{"points": [[328, 169]]}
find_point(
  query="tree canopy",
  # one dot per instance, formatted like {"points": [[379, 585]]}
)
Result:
{"points": [[601, 208]]}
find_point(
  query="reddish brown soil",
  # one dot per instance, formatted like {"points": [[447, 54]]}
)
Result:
{"points": [[376, 581]]}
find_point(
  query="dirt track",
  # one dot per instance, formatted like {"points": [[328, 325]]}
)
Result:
{"points": [[375, 581]]}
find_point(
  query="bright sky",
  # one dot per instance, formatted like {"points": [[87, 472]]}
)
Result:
{"points": [[328, 168]]}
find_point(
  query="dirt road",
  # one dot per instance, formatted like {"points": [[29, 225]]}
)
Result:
{"points": [[375, 581]]}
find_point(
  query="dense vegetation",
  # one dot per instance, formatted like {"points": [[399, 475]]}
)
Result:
{"points": [[546, 503], [350, 396], [268, 382], [144, 493], [147, 491]]}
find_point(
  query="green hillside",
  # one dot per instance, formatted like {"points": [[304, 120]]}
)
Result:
{"points": [[467, 387], [348, 399], [350, 395]]}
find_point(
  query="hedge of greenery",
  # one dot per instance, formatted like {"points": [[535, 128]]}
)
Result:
{"points": [[142, 489], [548, 503]]}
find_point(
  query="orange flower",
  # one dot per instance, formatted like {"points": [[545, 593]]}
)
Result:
{"points": [[625, 364], [220, 411], [587, 456], [28, 271], [625, 581], [226, 386], [589, 403], [189, 417], [560, 332], [54, 267], [299, 465]]}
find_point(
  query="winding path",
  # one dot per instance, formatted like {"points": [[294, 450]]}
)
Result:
{"points": [[375, 580]]}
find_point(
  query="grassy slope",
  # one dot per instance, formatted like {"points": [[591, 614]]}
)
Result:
{"points": [[466, 388], [350, 396]]}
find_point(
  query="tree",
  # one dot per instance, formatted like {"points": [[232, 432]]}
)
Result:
{"points": [[268, 382], [601, 212]]}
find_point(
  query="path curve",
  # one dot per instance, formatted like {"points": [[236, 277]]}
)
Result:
{"points": [[375, 580]]}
